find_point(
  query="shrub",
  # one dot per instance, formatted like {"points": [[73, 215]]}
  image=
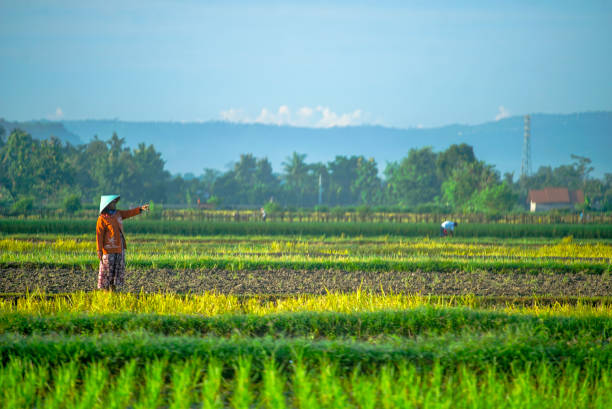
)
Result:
{"points": [[23, 205], [431, 208], [272, 208], [72, 203], [214, 201]]}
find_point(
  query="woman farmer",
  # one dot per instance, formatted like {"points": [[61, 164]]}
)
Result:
{"points": [[111, 241]]}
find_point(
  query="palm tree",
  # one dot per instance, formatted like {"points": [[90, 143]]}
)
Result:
{"points": [[297, 176]]}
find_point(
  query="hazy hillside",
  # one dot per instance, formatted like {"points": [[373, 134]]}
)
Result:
{"points": [[41, 130], [190, 147]]}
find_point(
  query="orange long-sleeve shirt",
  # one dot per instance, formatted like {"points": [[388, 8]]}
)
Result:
{"points": [[109, 230]]}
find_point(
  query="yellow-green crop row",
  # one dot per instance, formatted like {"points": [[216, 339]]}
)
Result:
{"points": [[213, 304], [67, 245], [557, 256]]}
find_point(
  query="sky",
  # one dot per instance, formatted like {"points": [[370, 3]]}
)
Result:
{"points": [[334, 63]]}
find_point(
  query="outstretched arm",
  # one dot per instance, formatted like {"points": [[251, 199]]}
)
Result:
{"points": [[126, 214]]}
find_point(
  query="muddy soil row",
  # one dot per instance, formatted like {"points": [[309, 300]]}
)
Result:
{"points": [[287, 282]]}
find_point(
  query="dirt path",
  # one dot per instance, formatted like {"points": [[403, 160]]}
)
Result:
{"points": [[315, 282]]}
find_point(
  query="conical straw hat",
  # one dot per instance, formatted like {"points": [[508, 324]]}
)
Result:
{"points": [[106, 199]]}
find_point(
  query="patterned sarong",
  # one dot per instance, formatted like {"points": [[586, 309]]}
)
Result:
{"points": [[112, 271]]}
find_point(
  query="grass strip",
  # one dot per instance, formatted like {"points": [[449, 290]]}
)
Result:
{"points": [[371, 265], [189, 228], [506, 351], [363, 325]]}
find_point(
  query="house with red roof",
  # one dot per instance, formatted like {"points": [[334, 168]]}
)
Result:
{"points": [[554, 198]]}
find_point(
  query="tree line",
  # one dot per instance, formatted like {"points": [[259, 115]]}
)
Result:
{"points": [[51, 173]]}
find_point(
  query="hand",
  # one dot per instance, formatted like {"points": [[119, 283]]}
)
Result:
{"points": [[100, 255], [144, 208]]}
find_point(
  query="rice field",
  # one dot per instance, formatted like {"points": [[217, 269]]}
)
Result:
{"points": [[279, 320]]}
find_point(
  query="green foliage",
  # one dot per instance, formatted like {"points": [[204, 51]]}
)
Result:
{"points": [[495, 199], [272, 208], [423, 321], [23, 205], [415, 179], [214, 201], [155, 211], [367, 185], [455, 156], [363, 211], [316, 229], [453, 179], [338, 212], [251, 181], [72, 203], [505, 349], [431, 208], [467, 181]]}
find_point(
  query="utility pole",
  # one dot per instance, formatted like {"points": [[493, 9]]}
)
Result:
{"points": [[320, 189], [526, 158]]}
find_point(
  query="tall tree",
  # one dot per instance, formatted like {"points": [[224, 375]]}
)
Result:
{"points": [[299, 183], [149, 179], [451, 158], [18, 156], [466, 181], [367, 185], [342, 173], [415, 179]]}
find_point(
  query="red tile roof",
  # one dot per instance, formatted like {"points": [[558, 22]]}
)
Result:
{"points": [[555, 195], [576, 196]]}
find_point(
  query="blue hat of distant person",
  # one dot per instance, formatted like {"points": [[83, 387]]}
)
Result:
{"points": [[106, 199]]}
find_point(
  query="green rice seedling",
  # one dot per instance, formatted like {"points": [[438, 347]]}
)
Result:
{"points": [[19, 383], [120, 395], [409, 384], [363, 391], [150, 394], [434, 386], [243, 396], [63, 388], [492, 388], [303, 385], [386, 388], [330, 390], [211, 386], [601, 391], [317, 384], [272, 393], [95, 379], [11, 376], [184, 379]]}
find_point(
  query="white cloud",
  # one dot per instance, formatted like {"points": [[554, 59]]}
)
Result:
{"points": [[58, 114], [233, 115], [503, 113], [305, 112], [318, 117], [283, 110]]}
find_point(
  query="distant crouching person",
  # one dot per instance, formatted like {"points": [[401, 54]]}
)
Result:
{"points": [[111, 242], [448, 228]]}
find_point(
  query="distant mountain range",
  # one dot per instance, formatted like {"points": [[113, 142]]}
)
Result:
{"points": [[41, 130], [191, 147]]}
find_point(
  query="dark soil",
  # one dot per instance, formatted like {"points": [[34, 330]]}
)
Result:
{"points": [[56, 280]]}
